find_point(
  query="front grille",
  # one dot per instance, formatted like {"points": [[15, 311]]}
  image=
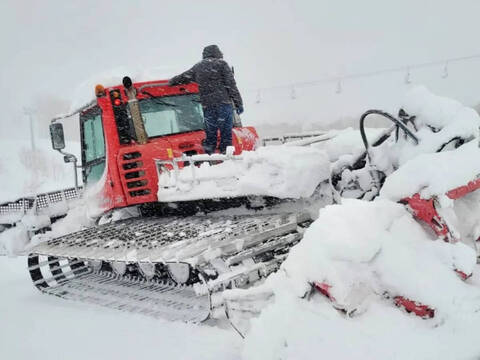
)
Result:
{"points": [[133, 165], [132, 155], [138, 183], [139, 192], [134, 175]]}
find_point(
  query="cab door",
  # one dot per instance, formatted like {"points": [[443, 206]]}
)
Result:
{"points": [[93, 145]]}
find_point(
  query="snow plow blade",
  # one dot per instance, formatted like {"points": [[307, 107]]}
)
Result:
{"points": [[165, 267], [275, 172]]}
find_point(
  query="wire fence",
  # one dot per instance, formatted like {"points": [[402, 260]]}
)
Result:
{"points": [[340, 80]]}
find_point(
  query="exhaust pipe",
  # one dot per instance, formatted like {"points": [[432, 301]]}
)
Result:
{"points": [[134, 107]]}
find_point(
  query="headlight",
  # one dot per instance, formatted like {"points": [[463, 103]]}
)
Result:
{"points": [[179, 272]]}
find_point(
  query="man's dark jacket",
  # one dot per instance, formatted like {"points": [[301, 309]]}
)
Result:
{"points": [[214, 78]]}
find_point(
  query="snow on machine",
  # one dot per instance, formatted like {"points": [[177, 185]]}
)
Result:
{"points": [[407, 164], [167, 242]]}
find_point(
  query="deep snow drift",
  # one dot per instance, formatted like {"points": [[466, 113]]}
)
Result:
{"points": [[365, 250], [434, 174], [35, 326], [368, 253], [346, 142], [433, 166], [438, 120]]}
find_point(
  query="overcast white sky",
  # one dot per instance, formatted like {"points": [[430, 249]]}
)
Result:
{"points": [[50, 47]]}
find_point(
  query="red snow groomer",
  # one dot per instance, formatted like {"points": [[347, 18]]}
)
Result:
{"points": [[160, 257]]}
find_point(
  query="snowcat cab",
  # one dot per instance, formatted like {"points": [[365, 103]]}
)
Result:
{"points": [[128, 127]]}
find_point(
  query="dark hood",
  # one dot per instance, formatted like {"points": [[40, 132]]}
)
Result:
{"points": [[212, 51]]}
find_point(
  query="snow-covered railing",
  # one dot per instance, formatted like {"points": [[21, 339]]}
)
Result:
{"points": [[170, 178], [53, 203], [312, 140], [269, 171], [291, 137]]}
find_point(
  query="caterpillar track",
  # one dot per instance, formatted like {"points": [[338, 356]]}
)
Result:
{"points": [[170, 267]]}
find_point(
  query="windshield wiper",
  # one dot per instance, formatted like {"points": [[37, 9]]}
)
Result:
{"points": [[158, 100]]}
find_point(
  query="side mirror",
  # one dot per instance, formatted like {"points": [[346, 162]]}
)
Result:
{"points": [[56, 134]]}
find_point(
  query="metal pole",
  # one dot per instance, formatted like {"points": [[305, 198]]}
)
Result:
{"points": [[72, 159], [28, 112], [32, 134], [76, 175]]}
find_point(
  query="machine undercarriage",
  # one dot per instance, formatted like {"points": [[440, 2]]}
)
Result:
{"points": [[171, 266]]}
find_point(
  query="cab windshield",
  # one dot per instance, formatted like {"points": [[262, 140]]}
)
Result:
{"points": [[171, 115]]}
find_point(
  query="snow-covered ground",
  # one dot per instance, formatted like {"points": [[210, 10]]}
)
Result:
{"points": [[35, 326], [299, 329]]}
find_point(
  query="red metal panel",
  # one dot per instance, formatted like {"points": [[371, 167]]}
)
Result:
{"points": [[464, 190], [186, 142], [424, 209], [244, 138], [419, 309]]}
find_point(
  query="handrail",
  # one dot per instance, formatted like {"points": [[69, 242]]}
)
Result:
{"points": [[389, 117]]}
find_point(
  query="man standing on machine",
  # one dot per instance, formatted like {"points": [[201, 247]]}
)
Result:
{"points": [[218, 94]]}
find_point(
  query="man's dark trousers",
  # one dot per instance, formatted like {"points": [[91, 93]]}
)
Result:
{"points": [[218, 117]]}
